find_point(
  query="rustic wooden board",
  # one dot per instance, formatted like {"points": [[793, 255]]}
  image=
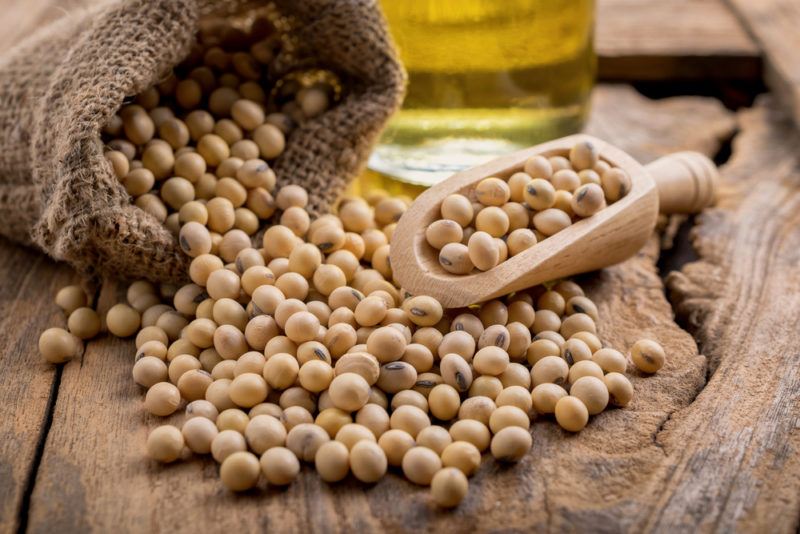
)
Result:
{"points": [[29, 283], [736, 447], [774, 25], [94, 475], [679, 39], [624, 472], [648, 129]]}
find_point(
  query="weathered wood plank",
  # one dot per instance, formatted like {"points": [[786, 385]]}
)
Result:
{"points": [[29, 283], [774, 25], [94, 475], [736, 447], [648, 129], [657, 40]]}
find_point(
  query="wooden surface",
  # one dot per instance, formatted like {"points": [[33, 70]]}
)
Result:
{"points": [[739, 465], [93, 474], [710, 443], [29, 384], [673, 39], [775, 25]]}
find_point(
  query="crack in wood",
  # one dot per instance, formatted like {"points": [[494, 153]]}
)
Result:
{"points": [[41, 442], [740, 299]]}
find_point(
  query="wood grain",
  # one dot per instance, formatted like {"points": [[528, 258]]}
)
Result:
{"points": [[678, 39], [634, 468], [94, 476], [29, 284], [736, 464], [621, 114], [774, 25]]}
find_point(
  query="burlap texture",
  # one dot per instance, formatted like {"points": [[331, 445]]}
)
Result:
{"points": [[60, 86]]}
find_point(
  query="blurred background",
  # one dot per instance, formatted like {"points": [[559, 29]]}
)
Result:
{"points": [[488, 77]]}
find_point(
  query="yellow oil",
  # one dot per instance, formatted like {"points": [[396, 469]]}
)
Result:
{"points": [[486, 77]]}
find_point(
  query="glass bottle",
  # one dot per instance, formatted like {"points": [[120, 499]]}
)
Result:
{"points": [[486, 77]]}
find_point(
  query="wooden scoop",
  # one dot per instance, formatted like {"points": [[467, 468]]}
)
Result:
{"points": [[680, 183]]}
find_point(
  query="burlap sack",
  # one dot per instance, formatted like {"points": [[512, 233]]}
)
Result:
{"points": [[60, 86]]}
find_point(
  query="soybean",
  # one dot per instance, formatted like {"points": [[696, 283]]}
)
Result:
{"points": [[449, 486], [648, 356]]}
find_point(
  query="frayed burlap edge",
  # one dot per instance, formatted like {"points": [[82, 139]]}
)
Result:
{"points": [[75, 209]]}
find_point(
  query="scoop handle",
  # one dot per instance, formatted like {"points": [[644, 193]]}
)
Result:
{"points": [[686, 182]]}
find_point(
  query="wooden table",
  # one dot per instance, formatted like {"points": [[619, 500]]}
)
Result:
{"points": [[710, 442]]}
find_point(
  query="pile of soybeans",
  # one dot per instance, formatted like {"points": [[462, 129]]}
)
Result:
{"points": [[297, 346]]}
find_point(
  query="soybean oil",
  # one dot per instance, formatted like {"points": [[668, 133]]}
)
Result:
{"points": [[486, 77]]}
